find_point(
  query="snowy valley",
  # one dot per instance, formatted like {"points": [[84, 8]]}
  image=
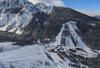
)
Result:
{"points": [[39, 36]]}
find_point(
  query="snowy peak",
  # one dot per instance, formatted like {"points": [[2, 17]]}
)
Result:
{"points": [[9, 3], [43, 8], [40, 4], [17, 14]]}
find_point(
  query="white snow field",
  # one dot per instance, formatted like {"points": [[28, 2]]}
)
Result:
{"points": [[32, 56], [6, 46]]}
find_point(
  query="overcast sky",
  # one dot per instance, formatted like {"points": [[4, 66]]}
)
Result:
{"points": [[89, 7]]}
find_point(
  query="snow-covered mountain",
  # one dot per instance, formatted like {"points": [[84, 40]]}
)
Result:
{"points": [[97, 16], [17, 15], [38, 36]]}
